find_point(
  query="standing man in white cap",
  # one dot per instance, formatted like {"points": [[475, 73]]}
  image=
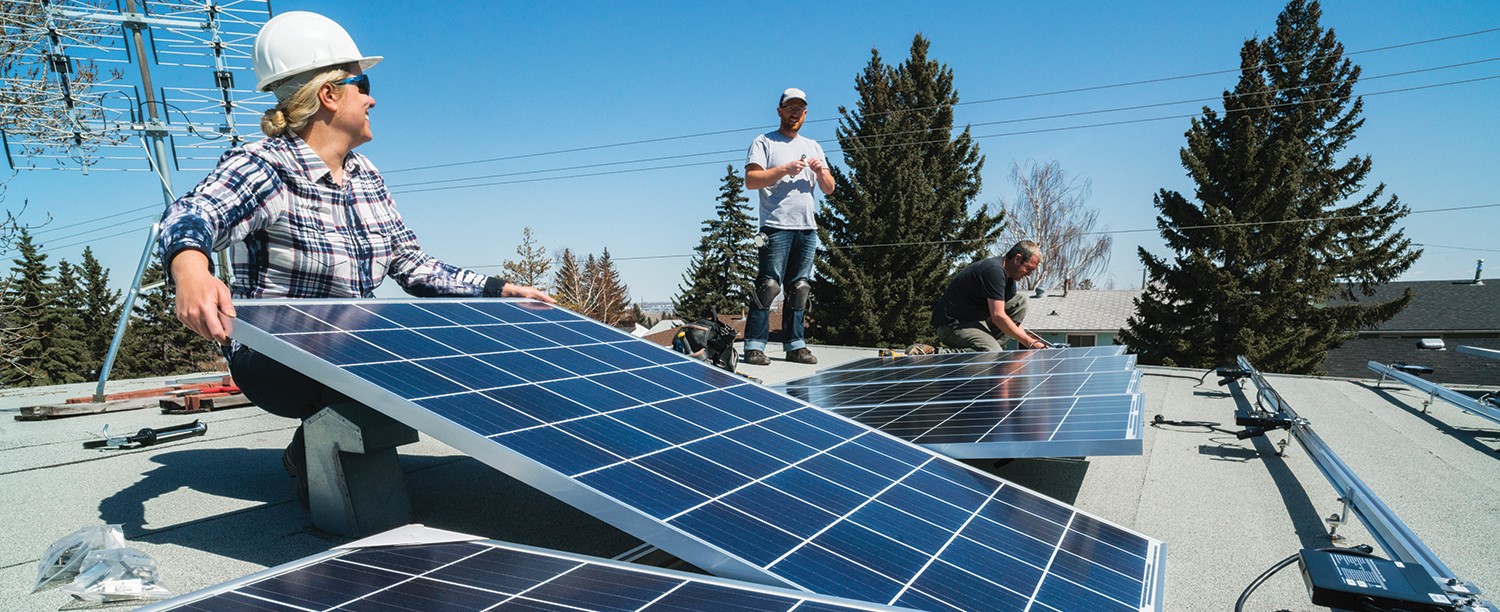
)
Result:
{"points": [[784, 167], [302, 214]]}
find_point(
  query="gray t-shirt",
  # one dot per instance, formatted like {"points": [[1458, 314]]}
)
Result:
{"points": [[788, 203]]}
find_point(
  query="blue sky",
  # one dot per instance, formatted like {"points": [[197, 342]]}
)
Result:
{"points": [[469, 81]]}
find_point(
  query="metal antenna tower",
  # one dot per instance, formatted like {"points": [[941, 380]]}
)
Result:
{"points": [[79, 123]]}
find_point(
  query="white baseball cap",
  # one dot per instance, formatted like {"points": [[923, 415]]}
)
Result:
{"points": [[792, 93]]}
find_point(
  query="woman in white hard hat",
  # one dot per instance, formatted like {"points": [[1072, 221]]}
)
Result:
{"points": [[303, 215]]}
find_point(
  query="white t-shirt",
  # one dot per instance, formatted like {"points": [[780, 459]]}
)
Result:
{"points": [[788, 203]]}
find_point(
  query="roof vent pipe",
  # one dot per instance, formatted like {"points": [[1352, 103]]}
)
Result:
{"points": [[1478, 268]]}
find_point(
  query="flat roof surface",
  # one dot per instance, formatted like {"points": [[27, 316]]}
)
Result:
{"points": [[219, 507]]}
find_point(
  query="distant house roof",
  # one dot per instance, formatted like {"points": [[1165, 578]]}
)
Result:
{"points": [[1441, 306], [1081, 310], [1351, 359]]}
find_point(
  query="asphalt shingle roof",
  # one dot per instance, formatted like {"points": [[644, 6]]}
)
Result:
{"points": [[1094, 310]]}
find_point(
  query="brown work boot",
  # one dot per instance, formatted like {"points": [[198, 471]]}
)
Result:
{"points": [[801, 355], [921, 349], [754, 357]]}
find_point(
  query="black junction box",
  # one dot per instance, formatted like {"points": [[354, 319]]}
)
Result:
{"points": [[1354, 582]]}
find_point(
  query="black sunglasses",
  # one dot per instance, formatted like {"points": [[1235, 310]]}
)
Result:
{"points": [[361, 81]]}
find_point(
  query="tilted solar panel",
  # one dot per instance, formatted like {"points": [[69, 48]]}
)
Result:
{"points": [[490, 575], [976, 406], [733, 477], [967, 358]]}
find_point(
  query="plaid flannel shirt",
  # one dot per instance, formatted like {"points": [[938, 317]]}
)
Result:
{"points": [[292, 232]]}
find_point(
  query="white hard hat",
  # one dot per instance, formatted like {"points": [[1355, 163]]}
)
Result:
{"points": [[298, 41]]}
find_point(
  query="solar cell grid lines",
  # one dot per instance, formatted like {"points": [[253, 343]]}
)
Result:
{"points": [[960, 359], [1050, 403], [967, 370], [731, 476], [491, 575]]}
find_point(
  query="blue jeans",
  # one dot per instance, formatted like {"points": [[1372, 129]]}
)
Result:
{"points": [[786, 258]]}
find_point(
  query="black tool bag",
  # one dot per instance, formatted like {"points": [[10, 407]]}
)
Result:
{"points": [[709, 339]]}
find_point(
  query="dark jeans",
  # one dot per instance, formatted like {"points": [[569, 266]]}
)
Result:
{"points": [[278, 389], [786, 258]]}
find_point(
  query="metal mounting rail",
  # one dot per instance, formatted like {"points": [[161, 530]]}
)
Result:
{"points": [[1476, 406], [1479, 352], [1390, 533]]}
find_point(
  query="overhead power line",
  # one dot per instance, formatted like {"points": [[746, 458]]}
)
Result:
{"points": [[399, 188], [969, 103]]}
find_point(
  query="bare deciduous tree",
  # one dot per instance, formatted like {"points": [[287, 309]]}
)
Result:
{"points": [[1052, 210], [49, 103], [532, 268]]}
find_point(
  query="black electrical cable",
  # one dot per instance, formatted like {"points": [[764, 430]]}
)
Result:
{"points": [[1363, 550]]}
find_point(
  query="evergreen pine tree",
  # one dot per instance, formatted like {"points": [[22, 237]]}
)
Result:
{"points": [[722, 273], [156, 343], [67, 343], [612, 301], [903, 218], [99, 311], [532, 268], [570, 287], [39, 351], [1259, 282]]}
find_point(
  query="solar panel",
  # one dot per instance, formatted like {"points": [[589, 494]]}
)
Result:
{"points": [[882, 363], [730, 476], [993, 405], [484, 575], [978, 366]]}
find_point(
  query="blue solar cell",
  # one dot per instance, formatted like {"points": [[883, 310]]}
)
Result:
{"points": [[826, 495], [514, 336], [585, 588], [791, 514], [967, 553], [1096, 529], [661, 424], [694, 411], [698, 597], [323, 586], [1065, 595], [341, 348], [742, 459], [539, 403], [771, 443], [472, 342], [592, 394], [407, 315], [614, 436], [1105, 581], [639, 389], [482, 575], [823, 571], [754, 540], [730, 475], [393, 377], [410, 560], [949, 585], [525, 367], [874, 550], [484, 419], [620, 360], [916, 532], [560, 451], [650, 492], [473, 373], [694, 472], [427, 596]]}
